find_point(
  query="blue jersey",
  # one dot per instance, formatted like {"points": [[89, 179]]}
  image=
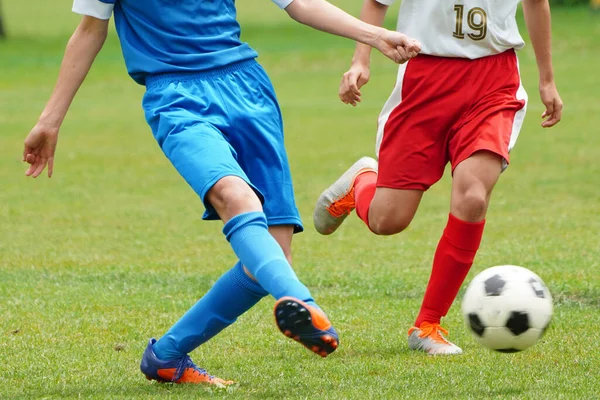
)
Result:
{"points": [[169, 36]]}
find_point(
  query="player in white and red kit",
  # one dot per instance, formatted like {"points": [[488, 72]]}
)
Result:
{"points": [[459, 101]]}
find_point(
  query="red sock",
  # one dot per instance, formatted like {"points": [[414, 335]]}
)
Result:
{"points": [[364, 190], [451, 264]]}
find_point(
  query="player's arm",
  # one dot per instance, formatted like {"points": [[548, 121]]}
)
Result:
{"points": [[82, 48], [373, 12], [326, 17], [537, 18]]}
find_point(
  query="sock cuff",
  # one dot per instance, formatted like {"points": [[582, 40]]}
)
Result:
{"points": [[365, 178], [364, 190], [242, 220], [243, 281], [464, 235]]}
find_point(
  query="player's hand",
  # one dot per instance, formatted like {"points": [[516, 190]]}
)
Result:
{"points": [[554, 105], [355, 78], [397, 46], [39, 149]]}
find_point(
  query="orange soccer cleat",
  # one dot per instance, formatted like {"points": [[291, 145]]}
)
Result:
{"points": [[181, 370], [307, 325]]}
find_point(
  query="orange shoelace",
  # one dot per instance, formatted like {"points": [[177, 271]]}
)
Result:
{"points": [[342, 206], [433, 331]]}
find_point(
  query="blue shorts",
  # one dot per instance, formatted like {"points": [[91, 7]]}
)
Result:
{"points": [[224, 122]]}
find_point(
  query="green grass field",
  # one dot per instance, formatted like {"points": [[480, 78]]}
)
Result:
{"points": [[111, 251]]}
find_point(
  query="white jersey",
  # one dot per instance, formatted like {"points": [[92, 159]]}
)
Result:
{"points": [[460, 28]]}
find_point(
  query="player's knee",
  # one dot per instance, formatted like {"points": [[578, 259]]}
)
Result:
{"points": [[472, 204], [232, 195], [385, 225]]}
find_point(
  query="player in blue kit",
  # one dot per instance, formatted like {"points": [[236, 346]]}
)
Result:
{"points": [[214, 114]]}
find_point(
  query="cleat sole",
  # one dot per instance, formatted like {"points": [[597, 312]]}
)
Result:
{"points": [[295, 321]]}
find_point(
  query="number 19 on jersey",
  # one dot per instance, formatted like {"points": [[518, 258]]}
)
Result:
{"points": [[476, 20]]}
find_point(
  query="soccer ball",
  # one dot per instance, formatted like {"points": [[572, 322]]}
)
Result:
{"points": [[507, 308]]}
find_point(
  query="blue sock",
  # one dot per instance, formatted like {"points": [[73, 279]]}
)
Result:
{"points": [[233, 294], [251, 241]]}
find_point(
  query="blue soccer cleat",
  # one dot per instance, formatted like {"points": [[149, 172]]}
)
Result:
{"points": [[307, 325], [180, 370]]}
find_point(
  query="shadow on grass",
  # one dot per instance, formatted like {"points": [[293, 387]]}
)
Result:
{"points": [[579, 298], [382, 353], [483, 393]]}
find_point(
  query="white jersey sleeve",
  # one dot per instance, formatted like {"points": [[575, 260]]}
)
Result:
{"points": [[101, 9], [282, 3]]}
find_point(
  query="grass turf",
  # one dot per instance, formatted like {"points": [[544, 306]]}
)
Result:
{"points": [[112, 251]]}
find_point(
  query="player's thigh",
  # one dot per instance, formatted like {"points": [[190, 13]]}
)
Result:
{"points": [[409, 161], [494, 130], [478, 153], [392, 210], [413, 127], [208, 164], [412, 157], [232, 195], [482, 169], [494, 116], [258, 139], [479, 148]]}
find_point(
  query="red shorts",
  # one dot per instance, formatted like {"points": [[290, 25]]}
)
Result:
{"points": [[444, 110]]}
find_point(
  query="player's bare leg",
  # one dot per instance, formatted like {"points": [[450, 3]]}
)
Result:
{"points": [[392, 210], [385, 211], [232, 196], [472, 185]]}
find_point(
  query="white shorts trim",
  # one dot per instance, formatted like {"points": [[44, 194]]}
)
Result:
{"points": [[390, 105], [283, 3], [519, 116]]}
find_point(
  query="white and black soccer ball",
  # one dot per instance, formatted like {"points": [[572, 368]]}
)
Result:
{"points": [[507, 308]]}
